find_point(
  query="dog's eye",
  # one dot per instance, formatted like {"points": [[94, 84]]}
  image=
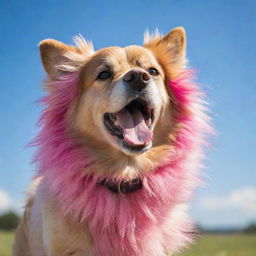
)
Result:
{"points": [[153, 72], [103, 75]]}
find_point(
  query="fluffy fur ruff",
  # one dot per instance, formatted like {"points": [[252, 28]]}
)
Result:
{"points": [[133, 224]]}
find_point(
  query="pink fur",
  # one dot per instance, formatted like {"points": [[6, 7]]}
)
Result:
{"points": [[133, 224]]}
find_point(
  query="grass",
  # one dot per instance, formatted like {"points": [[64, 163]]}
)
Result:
{"points": [[223, 245], [6, 240], [207, 245]]}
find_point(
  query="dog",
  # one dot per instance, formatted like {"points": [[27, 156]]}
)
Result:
{"points": [[119, 151]]}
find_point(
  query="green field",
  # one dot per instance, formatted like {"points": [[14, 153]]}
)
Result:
{"points": [[223, 245], [207, 245], [6, 239]]}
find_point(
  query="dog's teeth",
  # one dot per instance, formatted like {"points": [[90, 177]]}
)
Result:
{"points": [[148, 122], [112, 117]]}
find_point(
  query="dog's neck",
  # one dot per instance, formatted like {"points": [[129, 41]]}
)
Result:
{"points": [[120, 167]]}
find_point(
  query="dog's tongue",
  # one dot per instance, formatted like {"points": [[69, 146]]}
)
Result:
{"points": [[136, 132]]}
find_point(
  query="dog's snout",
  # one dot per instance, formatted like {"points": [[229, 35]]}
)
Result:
{"points": [[137, 79]]}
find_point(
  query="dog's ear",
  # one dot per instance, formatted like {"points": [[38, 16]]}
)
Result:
{"points": [[170, 50], [59, 58]]}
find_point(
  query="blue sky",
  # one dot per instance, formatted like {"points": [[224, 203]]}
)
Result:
{"points": [[221, 46]]}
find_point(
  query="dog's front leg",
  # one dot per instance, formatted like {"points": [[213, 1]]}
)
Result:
{"points": [[63, 236], [20, 246]]}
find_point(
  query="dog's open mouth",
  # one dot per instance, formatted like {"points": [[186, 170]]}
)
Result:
{"points": [[132, 123]]}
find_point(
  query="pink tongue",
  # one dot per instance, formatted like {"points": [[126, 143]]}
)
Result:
{"points": [[136, 132]]}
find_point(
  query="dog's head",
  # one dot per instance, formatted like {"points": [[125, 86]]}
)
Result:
{"points": [[124, 102]]}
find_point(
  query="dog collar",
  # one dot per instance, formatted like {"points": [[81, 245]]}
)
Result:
{"points": [[124, 186]]}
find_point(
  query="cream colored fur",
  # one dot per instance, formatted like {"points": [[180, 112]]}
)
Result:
{"points": [[43, 231]]}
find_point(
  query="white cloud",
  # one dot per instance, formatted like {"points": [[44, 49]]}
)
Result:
{"points": [[5, 201], [237, 208], [243, 199]]}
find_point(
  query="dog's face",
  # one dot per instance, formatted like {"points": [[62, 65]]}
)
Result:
{"points": [[123, 96], [124, 100]]}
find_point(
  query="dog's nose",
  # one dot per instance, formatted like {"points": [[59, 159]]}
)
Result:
{"points": [[137, 79]]}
